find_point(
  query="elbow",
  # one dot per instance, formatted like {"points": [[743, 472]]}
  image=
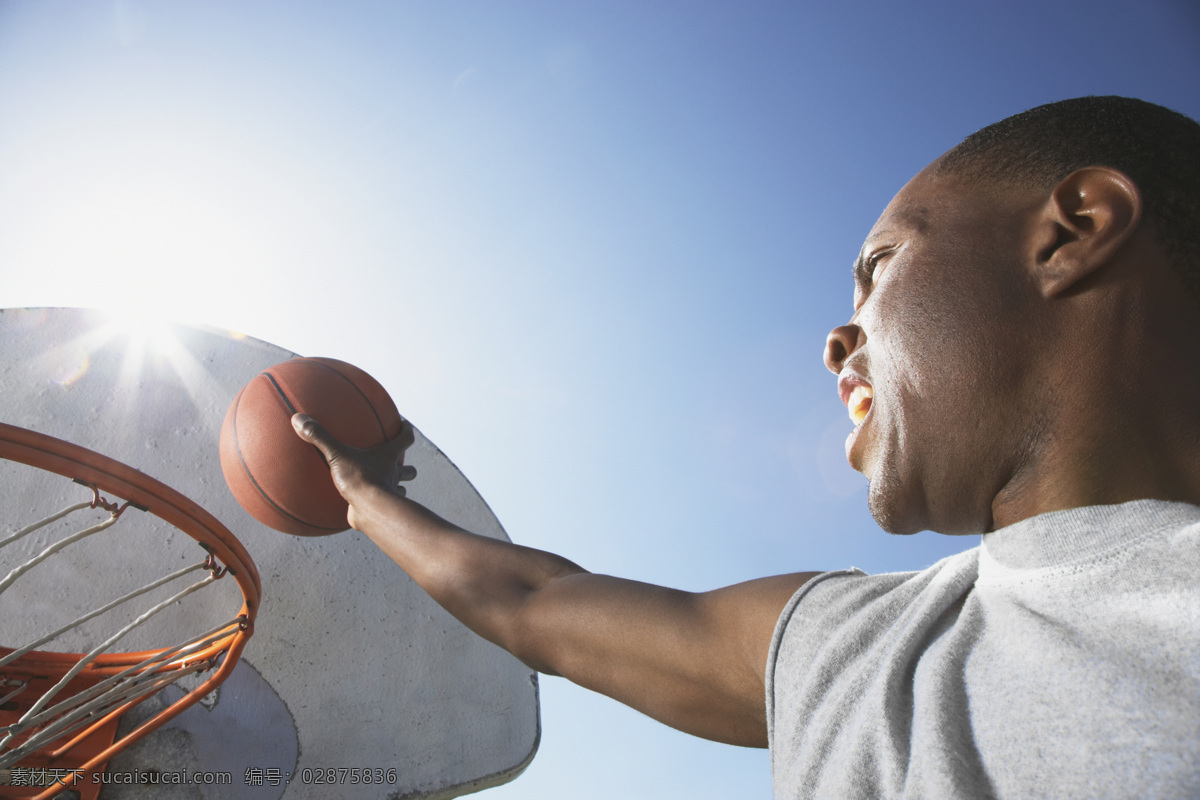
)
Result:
{"points": [[541, 629]]}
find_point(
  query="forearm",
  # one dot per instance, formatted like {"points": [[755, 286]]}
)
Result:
{"points": [[485, 583]]}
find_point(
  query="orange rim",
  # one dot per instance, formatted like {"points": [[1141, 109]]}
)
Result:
{"points": [[112, 477]]}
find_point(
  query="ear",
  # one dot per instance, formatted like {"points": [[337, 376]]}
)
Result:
{"points": [[1085, 221]]}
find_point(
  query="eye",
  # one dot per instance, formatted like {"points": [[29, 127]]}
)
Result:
{"points": [[872, 263], [866, 271]]}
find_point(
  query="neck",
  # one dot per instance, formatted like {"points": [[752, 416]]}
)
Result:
{"points": [[1118, 419]]}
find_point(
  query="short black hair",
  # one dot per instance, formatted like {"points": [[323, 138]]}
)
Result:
{"points": [[1159, 149]]}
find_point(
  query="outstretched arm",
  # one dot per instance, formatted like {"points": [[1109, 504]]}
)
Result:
{"points": [[694, 661]]}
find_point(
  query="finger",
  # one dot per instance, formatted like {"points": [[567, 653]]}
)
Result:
{"points": [[311, 431], [395, 447], [406, 436], [407, 473]]}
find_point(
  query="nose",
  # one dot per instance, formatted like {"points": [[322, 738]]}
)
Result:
{"points": [[841, 342]]}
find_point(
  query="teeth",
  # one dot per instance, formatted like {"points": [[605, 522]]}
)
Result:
{"points": [[859, 403]]}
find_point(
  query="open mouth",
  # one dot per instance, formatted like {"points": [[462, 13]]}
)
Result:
{"points": [[859, 403]]}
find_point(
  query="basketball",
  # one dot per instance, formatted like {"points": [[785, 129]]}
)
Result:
{"points": [[281, 480]]}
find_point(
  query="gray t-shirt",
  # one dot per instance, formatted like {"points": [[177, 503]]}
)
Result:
{"points": [[1059, 659]]}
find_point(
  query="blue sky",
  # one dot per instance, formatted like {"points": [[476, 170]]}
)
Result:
{"points": [[591, 248]]}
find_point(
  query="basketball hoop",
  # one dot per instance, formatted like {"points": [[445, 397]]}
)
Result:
{"points": [[59, 712]]}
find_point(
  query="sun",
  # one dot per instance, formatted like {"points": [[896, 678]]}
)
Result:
{"points": [[144, 330], [147, 337]]}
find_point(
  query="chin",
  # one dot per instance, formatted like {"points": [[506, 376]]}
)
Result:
{"points": [[891, 515], [903, 514]]}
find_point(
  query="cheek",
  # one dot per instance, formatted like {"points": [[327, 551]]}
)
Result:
{"points": [[919, 353], [934, 365], [939, 326]]}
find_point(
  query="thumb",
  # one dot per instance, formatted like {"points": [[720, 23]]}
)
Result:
{"points": [[311, 431]]}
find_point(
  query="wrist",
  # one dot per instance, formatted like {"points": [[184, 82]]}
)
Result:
{"points": [[364, 498]]}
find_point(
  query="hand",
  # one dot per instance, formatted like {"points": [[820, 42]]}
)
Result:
{"points": [[356, 470]]}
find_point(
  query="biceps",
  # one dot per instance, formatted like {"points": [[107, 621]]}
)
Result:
{"points": [[692, 661]]}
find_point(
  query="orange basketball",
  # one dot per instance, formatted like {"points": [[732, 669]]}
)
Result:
{"points": [[275, 475]]}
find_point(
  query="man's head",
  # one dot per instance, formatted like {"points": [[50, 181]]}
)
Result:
{"points": [[989, 304], [1159, 149]]}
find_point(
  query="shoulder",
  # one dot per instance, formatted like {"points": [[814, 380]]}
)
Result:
{"points": [[851, 597], [837, 618]]}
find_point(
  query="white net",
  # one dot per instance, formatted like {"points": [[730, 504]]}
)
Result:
{"points": [[95, 578]]}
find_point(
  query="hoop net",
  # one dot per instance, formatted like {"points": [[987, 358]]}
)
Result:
{"points": [[60, 711]]}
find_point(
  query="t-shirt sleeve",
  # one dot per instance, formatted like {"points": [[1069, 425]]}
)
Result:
{"points": [[840, 673], [808, 620]]}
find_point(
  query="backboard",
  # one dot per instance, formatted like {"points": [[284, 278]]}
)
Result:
{"points": [[355, 684]]}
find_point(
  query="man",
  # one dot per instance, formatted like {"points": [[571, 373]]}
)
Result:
{"points": [[1023, 362]]}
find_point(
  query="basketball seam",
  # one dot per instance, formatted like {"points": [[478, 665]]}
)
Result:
{"points": [[262, 492], [362, 394]]}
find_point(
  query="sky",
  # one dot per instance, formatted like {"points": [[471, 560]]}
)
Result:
{"points": [[592, 249]]}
